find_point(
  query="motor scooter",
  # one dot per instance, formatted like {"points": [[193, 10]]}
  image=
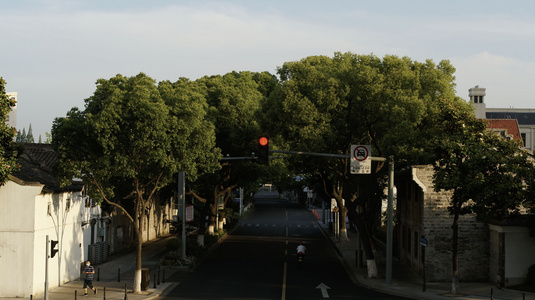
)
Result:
{"points": [[300, 258]]}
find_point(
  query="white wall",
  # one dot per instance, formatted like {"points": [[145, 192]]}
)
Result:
{"points": [[16, 238], [519, 254], [63, 225], [23, 230]]}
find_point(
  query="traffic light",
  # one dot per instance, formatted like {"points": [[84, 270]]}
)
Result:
{"points": [[263, 150], [52, 246]]}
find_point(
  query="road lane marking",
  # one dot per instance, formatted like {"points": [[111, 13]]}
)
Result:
{"points": [[284, 281], [323, 287]]}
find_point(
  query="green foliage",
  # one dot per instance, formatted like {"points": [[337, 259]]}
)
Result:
{"points": [[326, 104], [132, 130], [173, 244], [234, 101], [489, 175], [23, 137], [8, 155]]}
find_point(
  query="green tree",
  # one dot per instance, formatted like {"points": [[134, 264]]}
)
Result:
{"points": [[326, 104], [489, 176], [19, 137], [8, 155], [129, 136], [29, 135], [23, 137], [234, 100]]}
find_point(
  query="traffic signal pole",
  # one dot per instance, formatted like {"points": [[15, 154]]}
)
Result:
{"points": [[182, 205], [46, 269]]}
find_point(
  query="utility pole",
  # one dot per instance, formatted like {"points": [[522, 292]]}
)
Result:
{"points": [[46, 269], [182, 205], [389, 220]]}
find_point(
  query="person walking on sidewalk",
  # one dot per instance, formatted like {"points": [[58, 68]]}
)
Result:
{"points": [[89, 271]]}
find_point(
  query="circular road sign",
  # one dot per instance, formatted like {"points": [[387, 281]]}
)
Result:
{"points": [[360, 153]]}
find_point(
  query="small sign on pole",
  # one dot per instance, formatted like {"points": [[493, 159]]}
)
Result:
{"points": [[189, 213], [423, 241], [361, 162]]}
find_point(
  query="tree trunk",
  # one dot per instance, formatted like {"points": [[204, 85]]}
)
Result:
{"points": [[138, 221], [365, 238], [455, 254], [371, 264], [200, 240], [342, 224]]}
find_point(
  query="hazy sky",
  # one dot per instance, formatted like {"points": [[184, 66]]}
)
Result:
{"points": [[53, 51]]}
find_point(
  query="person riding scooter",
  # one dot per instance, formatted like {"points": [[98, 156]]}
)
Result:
{"points": [[301, 252]]}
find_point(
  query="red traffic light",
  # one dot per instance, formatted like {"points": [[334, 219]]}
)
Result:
{"points": [[263, 141]]}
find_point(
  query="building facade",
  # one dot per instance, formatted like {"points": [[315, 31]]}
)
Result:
{"points": [[524, 116], [423, 213], [33, 206]]}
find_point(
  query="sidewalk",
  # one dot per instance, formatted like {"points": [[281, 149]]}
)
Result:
{"points": [[106, 277], [407, 283]]}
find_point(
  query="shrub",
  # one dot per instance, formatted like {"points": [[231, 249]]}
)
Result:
{"points": [[173, 244]]}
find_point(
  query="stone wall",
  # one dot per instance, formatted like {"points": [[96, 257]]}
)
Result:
{"points": [[436, 227]]}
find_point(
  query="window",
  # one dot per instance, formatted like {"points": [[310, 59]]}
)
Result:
{"points": [[523, 139], [409, 240], [416, 241], [68, 205]]}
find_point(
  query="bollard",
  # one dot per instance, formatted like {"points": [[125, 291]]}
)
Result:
{"points": [[154, 280], [104, 293], [491, 294], [98, 274], [119, 275], [31, 296], [75, 293], [125, 294], [158, 276]]}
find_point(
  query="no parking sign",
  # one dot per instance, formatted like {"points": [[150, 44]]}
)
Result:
{"points": [[361, 162]]}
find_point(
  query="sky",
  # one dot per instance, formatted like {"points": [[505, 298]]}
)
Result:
{"points": [[53, 51]]}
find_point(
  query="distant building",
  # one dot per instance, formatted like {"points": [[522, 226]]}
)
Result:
{"points": [[525, 117], [500, 252], [505, 128], [12, 116]]}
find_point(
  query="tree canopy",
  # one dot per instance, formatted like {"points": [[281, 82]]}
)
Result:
{"points": [[135, 134], [8, 159], [489, 176]]}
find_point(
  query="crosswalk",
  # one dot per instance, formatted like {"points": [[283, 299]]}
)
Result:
{"points": [[275, 225]]}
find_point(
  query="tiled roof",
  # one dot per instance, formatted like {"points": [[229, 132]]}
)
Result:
{"points": [[37, 162], [510, 126]]}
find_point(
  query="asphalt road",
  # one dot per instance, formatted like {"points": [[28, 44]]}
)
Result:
{"points": [[258, 261]]}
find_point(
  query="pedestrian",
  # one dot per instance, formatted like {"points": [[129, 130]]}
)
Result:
{"points": [[89, 271]]}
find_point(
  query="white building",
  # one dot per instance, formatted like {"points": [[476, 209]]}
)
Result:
{"points": [[32, 206], [524, 116]]}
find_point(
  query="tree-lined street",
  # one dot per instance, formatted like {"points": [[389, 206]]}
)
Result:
{"points": [[258, 261]]}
